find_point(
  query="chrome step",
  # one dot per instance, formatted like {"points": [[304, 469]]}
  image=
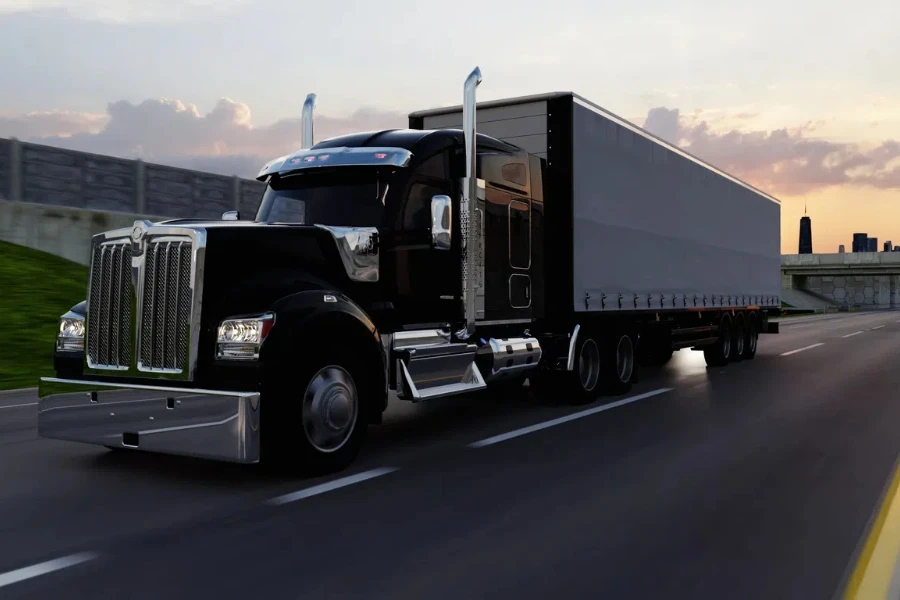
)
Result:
{"points": [[437, 370]]}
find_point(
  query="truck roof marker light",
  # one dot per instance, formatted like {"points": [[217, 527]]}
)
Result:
{"points": [[380, 155]]}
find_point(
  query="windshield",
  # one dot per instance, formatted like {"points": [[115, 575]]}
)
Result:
{"points": [[335, 198]]}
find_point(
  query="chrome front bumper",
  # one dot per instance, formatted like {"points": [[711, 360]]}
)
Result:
{"points": [[214, 424]]}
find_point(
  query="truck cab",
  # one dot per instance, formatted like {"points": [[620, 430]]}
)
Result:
{"points": [[404, 187]]}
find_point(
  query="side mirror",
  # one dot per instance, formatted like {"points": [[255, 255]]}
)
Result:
{"points": [[231, 215], [441, 222]]}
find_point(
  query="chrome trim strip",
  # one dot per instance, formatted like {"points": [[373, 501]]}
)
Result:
{"points": [[161, 388], [570, 362], [358, 247], [506, 322]]}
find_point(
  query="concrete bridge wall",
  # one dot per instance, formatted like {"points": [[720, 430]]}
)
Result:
{"points": [[856, 280]]}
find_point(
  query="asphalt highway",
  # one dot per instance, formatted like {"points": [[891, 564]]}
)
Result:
{"points": [[757, 480]]}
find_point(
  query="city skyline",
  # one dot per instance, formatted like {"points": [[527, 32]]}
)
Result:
{"points": [[218, 85]]}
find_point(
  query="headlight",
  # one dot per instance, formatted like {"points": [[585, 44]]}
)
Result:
{"points": [[70, 337], [241, 339]]}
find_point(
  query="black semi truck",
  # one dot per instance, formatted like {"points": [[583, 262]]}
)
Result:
{"points": [[562, 245]]}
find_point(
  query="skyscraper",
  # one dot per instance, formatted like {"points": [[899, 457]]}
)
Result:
{"points": [[860, 242], [806, 235], [872, 245]]}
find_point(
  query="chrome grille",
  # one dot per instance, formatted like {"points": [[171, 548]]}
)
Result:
{"points": [[110, 298], [165, 305]]}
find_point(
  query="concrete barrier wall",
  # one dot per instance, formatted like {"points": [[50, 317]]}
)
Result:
{"points": [[59, 230], [51, 198]]}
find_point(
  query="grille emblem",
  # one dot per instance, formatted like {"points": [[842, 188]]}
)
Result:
{"points": [[137, 235]]}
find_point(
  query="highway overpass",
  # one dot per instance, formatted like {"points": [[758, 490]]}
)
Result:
{"points": [[860, 280]]}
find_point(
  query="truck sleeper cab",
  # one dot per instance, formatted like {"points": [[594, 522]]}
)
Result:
{"points": [[429, 262]]}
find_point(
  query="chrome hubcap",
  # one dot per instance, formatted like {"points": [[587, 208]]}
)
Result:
{"points": [[330, 407], [589, 365], [740, 343], [726, 344], [625, 358]]}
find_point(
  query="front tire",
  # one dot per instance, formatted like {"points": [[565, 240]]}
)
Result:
{"points": [[314, 422]]}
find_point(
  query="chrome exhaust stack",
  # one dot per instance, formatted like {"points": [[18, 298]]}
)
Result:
{"points": [[469, 203], [309, 107]]}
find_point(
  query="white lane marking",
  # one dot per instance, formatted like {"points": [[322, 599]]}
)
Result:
{"points": [[852, 334], [585, 413], [18, 405], [331, 485], [803, 349], [874, 328], [43, 568]]}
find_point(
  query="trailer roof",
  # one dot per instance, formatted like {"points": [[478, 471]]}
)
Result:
{"points": [[602, 111]]}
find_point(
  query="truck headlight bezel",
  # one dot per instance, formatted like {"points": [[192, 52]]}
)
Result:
{"points": [[241, 338], [70, 333]]}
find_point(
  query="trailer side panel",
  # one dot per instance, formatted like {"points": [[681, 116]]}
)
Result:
{"points": [[663, 230]]}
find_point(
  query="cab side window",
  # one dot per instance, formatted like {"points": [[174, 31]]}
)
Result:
{"points": [[430, 179]]}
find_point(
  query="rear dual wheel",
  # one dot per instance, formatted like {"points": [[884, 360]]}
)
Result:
{"points": [[719, 353], [738, 340], [604, 365]]}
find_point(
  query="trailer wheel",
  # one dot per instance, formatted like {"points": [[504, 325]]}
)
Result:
{"points": [[752, 337], [738, 338], [618, 364], [718, 354], [315, 421]]}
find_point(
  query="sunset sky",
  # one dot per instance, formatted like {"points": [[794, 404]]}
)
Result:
{"points": [[799, 98]]}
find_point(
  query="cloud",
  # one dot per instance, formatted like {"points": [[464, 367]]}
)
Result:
{"points": [[787, 161], [60, 123], [122, 11], [224, 140]]}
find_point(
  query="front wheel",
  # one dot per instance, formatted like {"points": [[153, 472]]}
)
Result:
{"points": [[315, 422]]}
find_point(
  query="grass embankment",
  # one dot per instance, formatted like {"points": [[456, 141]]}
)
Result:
{"points": [[35, 289]]}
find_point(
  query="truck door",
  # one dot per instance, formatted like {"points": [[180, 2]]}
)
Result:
{"points": [[426, 279]]}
